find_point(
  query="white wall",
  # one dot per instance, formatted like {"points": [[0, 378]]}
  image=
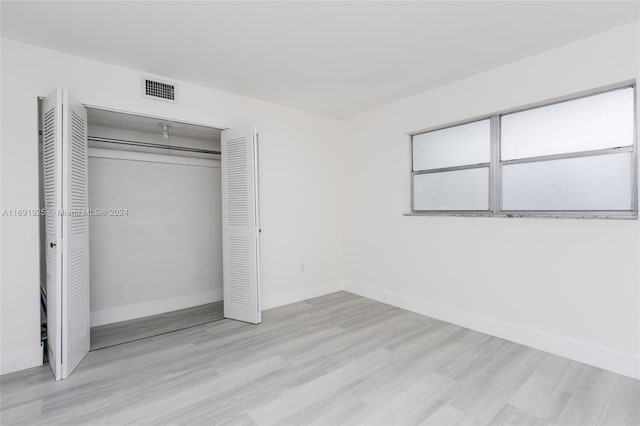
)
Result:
{"points": [[165, 253], [299, 179], [567, 286]]}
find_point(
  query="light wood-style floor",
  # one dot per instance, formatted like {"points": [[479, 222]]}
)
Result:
{"points": [[337, 359], [128, 331]]}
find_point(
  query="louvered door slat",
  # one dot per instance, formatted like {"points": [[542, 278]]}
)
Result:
{"points": [[75, 275], [240, 225]]}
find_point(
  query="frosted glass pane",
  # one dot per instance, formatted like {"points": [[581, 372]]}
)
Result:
{"points": [[595, 122], [589, 183], [455, 146], [456, 190]]}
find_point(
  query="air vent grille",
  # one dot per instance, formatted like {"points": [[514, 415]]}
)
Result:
{"points": [[158, 90]]}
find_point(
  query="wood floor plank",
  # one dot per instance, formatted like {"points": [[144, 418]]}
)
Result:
{"points": [[512, 416], [622, 407], [421, 397], [445, 415], [338, 359], [547, 391], [338, 381]]}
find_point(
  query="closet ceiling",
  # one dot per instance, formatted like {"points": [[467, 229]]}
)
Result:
{"points": [[333, 58], [99, 117]]}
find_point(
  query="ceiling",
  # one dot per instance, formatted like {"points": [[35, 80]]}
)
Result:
{"points": [[332, 58]]}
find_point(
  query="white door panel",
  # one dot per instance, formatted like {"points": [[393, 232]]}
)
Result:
{"points": [[52, 181], [75, 270], [240, 227], [64, 125]]}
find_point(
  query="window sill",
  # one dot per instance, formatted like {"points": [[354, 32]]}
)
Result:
{"points": [[533, 215]]}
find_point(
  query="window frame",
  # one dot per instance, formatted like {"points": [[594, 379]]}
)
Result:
{"points": [[496, 163]]}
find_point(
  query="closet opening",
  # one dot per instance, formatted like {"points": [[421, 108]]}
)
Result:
{"points": [[155, 226], [151, 226]]}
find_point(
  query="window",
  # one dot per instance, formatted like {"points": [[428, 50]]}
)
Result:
{"points": [[451, 168], [570, 158]]}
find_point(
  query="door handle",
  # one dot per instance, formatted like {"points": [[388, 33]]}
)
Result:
{"points": [[52, 245]]}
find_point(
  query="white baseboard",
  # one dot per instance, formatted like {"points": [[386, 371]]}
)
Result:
{"points": [[270, 301], [20, 360], [617, 362], [139, 310]]}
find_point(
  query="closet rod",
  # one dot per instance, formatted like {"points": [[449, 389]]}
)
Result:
{"points": [[151, 145]]}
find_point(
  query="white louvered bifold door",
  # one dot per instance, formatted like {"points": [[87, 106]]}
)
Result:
{"points": [[51, 124], [240, 227], [75, 236]]}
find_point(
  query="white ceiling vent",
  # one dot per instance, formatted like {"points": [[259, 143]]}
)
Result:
{"points": [[159, 90]]}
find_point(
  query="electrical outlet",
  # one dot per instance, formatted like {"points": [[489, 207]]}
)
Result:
{"points": [[301, 266]]}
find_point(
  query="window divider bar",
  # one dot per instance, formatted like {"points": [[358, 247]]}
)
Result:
{"points": [[411, 175], [462, 213], [634, 156], [451, 169], [495, 189], [568, 155]]}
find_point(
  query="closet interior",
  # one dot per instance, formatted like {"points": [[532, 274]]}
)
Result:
{"points": [[151, 226], [156, 226]]}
